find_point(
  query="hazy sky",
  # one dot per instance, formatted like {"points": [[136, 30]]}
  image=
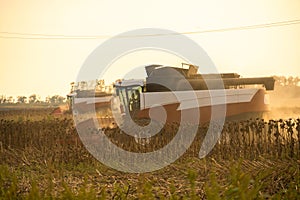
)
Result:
{"points": [[47, 66]]}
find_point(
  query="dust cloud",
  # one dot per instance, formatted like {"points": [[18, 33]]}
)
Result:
{"points": [[285, 102]]}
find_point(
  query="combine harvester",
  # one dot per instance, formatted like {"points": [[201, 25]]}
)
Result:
{"points": [[244, 97]]}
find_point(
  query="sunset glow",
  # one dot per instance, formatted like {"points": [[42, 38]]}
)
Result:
{"points": [[45, 64]]}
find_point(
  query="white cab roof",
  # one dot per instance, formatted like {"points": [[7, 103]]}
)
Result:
{"points": [[132, 82]]}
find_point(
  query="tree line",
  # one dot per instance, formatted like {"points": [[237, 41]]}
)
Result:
{"points": [[287, 81], [32, 99]]}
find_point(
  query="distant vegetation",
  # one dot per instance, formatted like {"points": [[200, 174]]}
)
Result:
{"points": [[287, 81], [32, 100]]}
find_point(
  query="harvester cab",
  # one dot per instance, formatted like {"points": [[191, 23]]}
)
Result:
{"points": [[128, 93]]}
